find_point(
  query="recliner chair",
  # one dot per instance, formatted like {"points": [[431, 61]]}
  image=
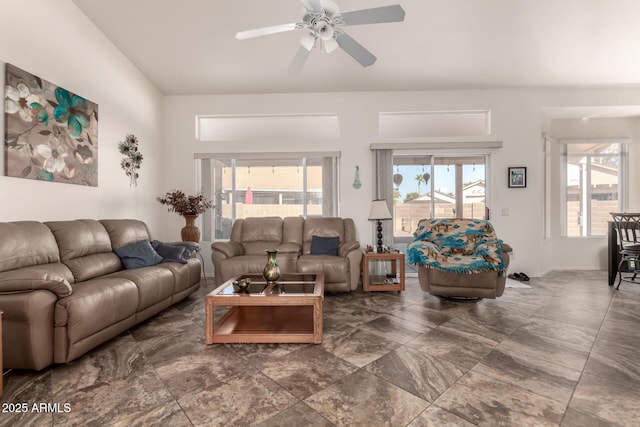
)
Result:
{"points": [[459, 257]]}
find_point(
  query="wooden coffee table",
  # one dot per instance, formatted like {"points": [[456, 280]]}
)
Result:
{"points": [[260, 316]]}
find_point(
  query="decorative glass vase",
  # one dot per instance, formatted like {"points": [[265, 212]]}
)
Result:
{"points": [[271, 271], [190, 232]]}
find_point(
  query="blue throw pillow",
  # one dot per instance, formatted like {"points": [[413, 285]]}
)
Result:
{"points": [[172, 253], [324, 245], [138, 254]]}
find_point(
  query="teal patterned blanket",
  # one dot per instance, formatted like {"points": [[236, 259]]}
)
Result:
{"points": [[456, 245]]}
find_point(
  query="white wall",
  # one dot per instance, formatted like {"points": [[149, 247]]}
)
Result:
{"points": [[517, 120], [55, 41]]}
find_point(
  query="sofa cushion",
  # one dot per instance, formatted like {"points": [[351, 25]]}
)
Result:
{"points": [[323, 227], [92, 266], [80, 237], [185, 275], [324, 245], [243, 264], [26, 243], [154, 284], [292, 227], [335, 268], [95, 305], [262, 229], [125, 231], [138, 254], [259, 234], [85, 248]]}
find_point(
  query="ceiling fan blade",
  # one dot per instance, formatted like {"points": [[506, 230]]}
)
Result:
{"points": [[242, 35], [356, 50], [376, 15], [299, 60], [314, 5]]}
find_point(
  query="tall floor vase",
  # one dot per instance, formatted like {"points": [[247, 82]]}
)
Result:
{"points": [[190, 232]]}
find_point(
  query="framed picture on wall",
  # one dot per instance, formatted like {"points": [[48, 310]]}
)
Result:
{"points": [[517, 177]]}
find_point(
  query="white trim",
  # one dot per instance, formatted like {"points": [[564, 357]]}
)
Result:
{"points": [[547, 141], [266, 156], [615, 140], [437, 144]]}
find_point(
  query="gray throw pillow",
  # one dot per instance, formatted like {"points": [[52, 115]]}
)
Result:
{"points": [[138, 254], [172, 253], [324, 245]]}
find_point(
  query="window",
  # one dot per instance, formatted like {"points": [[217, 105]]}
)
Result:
{"points": [[436, 186], [593, 177], [434, 124], [272, 126], [267, 184]]}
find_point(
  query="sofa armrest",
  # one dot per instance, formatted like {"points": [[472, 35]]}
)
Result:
{"points": [[506, 247], [290, 248], [347, 247], [228, 249], [14, 281]]}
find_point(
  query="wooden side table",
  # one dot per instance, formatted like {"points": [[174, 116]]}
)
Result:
{"points": [[380, 271]]}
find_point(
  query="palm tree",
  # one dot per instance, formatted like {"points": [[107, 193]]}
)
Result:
{"points": [[420, 179]]}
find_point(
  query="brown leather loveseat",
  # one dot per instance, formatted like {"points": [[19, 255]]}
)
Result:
{"points": [[64, 290], [293, 237]]}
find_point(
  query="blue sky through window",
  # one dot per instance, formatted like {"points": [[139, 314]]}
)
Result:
{"points": [[444, 177]]}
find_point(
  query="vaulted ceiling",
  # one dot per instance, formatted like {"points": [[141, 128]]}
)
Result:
{"points": [[188, 46]]}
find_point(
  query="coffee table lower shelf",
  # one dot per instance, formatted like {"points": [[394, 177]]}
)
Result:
{"points": [[266, 324]]}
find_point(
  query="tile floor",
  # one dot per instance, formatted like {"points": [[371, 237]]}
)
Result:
{"points": [[564, 352]]}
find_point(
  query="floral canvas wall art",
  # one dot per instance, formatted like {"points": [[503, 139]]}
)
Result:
{"points": [[51, 134]]}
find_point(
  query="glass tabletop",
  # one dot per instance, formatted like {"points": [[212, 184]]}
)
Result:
{"points": [[255, 284]]}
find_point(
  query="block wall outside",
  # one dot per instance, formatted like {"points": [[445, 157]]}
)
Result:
{"points": [[600, 215], [407, 215]]}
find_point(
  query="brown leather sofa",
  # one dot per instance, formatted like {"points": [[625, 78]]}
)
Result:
{"points": [[292, 236], [64, 291]]}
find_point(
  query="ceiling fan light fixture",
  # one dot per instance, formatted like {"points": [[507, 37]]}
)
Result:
{"points": [[330, 45], [325, 31], [322, 20], [308, 41]]}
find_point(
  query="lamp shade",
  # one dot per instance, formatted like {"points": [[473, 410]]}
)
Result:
{"points": [[379, 210]]}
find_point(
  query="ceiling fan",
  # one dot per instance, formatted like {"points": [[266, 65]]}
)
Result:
{"points": [[323, 22]]}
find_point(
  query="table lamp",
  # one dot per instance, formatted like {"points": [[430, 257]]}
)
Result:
{"points": [[379, 211]]}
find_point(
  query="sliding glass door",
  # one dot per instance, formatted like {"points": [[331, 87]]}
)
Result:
{"points": [[246, 185], [436, 186]]}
